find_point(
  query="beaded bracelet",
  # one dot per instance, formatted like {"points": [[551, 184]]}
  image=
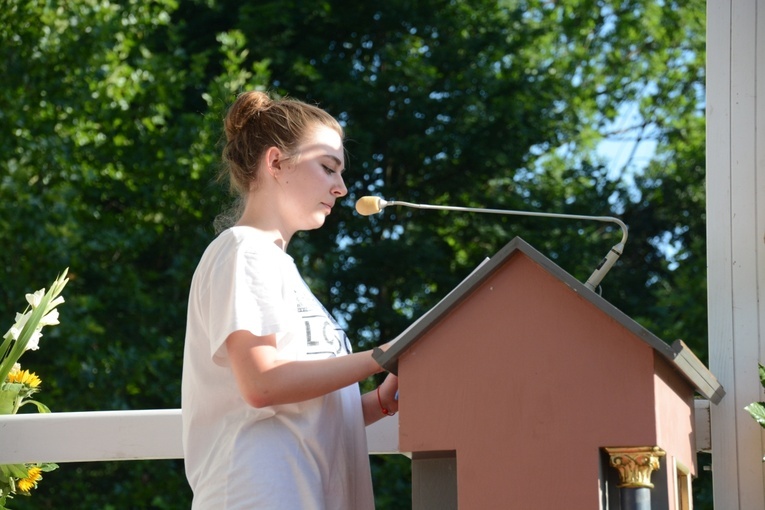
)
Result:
{"points": [[384, 410]]}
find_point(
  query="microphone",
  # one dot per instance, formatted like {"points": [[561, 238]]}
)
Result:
{"points": [[367, 206]]}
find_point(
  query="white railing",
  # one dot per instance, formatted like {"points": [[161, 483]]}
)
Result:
{"points": [[121, 435], [156, 434]]}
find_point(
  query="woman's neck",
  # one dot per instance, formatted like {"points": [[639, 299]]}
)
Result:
{"points": [[265, 223]]}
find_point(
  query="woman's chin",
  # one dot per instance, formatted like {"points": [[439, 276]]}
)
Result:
{"points": [[316, 222]]}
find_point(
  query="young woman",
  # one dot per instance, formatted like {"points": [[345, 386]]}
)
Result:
{"points": [[272, 413]]}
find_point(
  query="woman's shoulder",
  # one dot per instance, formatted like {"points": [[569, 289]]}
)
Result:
{"points": [[245, 239], [252, 244], [243, 249]]}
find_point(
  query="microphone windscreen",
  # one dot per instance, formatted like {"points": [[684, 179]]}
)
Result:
{"points": [[367, 206]]}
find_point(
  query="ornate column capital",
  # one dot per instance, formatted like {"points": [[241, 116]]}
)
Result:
{"points": [[635, 464]]}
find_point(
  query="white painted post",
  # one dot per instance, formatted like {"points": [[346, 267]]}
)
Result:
{"points": [[736, 243]]}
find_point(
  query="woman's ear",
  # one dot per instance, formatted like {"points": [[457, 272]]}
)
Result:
{"points": [[274, 160]]}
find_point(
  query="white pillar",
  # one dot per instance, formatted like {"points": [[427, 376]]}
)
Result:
{"points": [[736, 243]]}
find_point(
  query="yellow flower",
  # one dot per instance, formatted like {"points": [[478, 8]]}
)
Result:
{"points": [[34, 475], [24, 377]]}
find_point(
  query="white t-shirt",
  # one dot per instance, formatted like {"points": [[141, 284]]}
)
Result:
{"points": [[303, 456]]}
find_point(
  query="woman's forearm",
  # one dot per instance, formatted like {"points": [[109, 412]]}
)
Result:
{"points": [[266, 380]]}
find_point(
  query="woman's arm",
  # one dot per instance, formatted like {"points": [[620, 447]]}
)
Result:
{"points": [[266, 380]]}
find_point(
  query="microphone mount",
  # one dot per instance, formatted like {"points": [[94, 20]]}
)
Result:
{"points": [[370, 205]]}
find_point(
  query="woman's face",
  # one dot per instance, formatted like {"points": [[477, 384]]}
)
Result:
{"points": [[312, 180]]}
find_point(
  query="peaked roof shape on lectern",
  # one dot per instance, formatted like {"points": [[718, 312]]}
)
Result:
{"points": [[678, 354]]}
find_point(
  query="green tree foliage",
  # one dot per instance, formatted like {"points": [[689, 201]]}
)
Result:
{"points": [[107, 171], [110, 123]]}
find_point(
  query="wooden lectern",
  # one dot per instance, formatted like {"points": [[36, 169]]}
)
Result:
{"points": [[523, 389]]}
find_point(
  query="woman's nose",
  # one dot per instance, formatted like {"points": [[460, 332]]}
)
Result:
{"points": [[339, 189]]}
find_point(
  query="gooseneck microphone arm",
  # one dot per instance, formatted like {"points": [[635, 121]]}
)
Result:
{"points": [[371, 205]]}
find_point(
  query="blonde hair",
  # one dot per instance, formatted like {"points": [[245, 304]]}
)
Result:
{"points": [[254, 123]]}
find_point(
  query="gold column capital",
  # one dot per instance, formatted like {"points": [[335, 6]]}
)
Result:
{"points": [[635, 464]]}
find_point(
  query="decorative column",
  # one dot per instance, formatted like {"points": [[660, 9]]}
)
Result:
{"points": [[635, 465]]}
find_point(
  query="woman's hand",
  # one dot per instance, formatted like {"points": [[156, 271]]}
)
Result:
{"points": [[388, 395], [381, 402]]}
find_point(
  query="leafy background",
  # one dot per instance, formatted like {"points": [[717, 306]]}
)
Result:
{"points": [[110, 115]]}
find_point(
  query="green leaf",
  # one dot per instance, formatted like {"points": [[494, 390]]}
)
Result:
{"points": [[757, 410], [13, 470], [8, 395], [762, 374], [47, 467], [41, 408]]}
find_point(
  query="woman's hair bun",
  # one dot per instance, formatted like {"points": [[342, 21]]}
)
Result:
{"points": [[246, 107]]}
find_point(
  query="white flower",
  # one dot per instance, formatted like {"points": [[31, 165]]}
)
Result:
{"points": [[34, 341], [42, 307], [54, 303], [34, 299], [49, 320], [21, 320]]}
